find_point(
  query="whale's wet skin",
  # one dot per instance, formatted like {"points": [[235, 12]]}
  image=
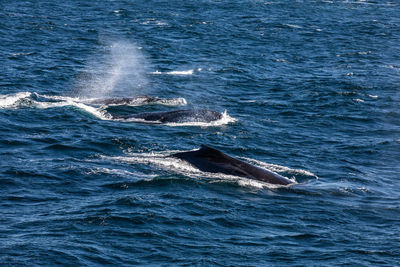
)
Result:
{"points": [[136, 101], [176, 116], [97, 96], [208, 159]]}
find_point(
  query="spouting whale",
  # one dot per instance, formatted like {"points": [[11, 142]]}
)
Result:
{"points": [[208, 159], [176, 116]]}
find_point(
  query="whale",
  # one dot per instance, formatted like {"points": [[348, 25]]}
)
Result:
{"points": [[208, 159], [136, 101], [176, 116]]}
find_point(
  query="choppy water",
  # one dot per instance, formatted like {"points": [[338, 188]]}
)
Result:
{"points": [[310, 90]]}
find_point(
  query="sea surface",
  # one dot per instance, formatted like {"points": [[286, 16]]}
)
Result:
{"points": [[308, 89]]}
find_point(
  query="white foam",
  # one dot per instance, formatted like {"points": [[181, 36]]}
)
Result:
{"points": [[280, 169], [11, 100], [392, 66], [98, 113], [139, 120], [182, 72], [22, 54], [119, 172], [294, 26], [176, 72], [225, 119], [61, 98], [154, 22], [179, 101]]}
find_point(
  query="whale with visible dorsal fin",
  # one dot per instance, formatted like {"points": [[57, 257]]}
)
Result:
{"points": [[208, 159]]}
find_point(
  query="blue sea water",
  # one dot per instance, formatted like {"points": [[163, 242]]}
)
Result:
{"points": [[311, 89]]}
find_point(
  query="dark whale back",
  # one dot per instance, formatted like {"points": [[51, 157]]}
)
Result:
{"points": [[177, 116], [208, 159], [138, 100]]}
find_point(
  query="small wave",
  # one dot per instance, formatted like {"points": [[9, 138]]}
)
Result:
{"points": [[16, 55], [396, 67], [361, 53], [119, 172], [293, 26], [154, 22]]}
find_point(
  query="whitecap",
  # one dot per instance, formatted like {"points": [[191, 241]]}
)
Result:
{"points": [[179, 101], [11, 100], [182, 72], [176, 72]]}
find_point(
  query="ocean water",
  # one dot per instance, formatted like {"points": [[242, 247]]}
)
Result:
{"points": [[309, 89]]}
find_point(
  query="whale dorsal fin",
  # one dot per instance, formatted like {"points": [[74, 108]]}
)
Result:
{"points": [[209, 151]]}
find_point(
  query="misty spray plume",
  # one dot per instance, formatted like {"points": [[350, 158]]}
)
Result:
{"points": [[119, 72]]}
